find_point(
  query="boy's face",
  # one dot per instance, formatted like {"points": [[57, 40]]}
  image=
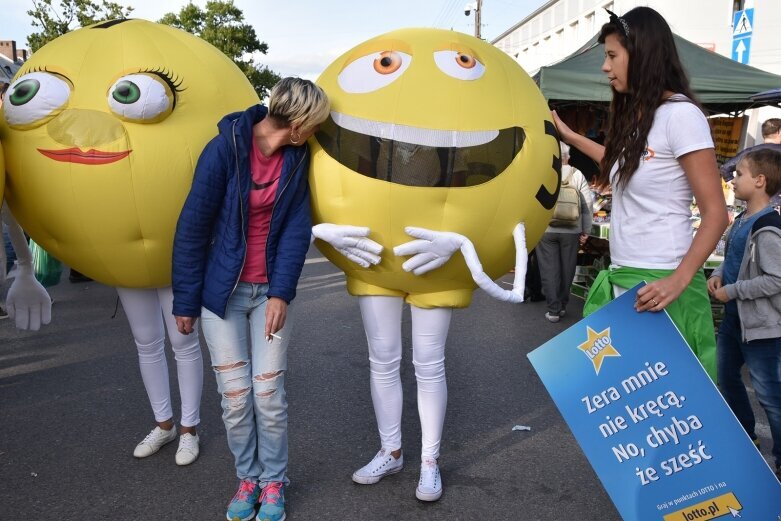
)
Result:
{"points": [[745, 182]]}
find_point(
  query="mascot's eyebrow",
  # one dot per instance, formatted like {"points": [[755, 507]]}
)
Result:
{"points": [[110, 23]]}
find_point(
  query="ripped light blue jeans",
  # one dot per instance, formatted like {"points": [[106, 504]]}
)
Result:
{"points": [[251, 380]]}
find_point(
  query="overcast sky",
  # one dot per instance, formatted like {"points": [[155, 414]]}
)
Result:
{"points": [[304, 36]]}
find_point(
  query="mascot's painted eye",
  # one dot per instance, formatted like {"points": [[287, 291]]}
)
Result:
{"points": [[25, 91], [387, 63], [126, 92], [459, 65], [141, 98], [34, 97], [374, 71]]}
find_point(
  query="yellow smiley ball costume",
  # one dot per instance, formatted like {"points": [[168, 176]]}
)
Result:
{"points": [[2, 174], [429, 93], [102, 129]]}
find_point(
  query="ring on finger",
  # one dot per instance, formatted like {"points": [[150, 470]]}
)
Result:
{"points": [[654, 302]]}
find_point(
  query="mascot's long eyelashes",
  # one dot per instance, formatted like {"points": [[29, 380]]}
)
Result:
{"points": [[169, 77]]}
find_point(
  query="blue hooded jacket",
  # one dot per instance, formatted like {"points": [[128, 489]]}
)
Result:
{"points": [[210, 243]]}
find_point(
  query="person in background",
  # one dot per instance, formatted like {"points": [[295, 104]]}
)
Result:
{"points": [[557, 251], [771, 131], [771, 138], [749, 283], [658, 153], [239, 249]]}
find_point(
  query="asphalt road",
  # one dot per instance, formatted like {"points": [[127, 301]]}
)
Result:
{"points": [[72, 408]]}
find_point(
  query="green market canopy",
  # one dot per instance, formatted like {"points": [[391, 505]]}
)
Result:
{"points": [[722, 85]]}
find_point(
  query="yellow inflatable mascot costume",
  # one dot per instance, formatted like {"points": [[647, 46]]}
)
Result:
{"points": [[441, 137], [102, 129]]}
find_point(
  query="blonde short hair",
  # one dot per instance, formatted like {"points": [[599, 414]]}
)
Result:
{"points": [[295, 102]]}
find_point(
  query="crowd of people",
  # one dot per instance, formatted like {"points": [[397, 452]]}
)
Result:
{"points": [[245, 228]]}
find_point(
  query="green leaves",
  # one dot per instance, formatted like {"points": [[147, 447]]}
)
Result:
{"points": [[221, 24], [57, 17]]}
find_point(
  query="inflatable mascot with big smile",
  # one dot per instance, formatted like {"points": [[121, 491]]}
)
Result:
{"points": [[441, 138]]}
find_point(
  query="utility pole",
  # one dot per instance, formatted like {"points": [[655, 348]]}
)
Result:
{"points": [[477, 7], [478, 13]]}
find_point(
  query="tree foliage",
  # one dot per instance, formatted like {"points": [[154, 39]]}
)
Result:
{"points": [[57, 17], [221, 24]]}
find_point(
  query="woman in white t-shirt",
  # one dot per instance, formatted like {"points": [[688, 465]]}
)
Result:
{"points": [[658, 155]]}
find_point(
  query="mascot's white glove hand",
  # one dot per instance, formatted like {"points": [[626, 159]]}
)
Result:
{"points": [[27, 301], [430, 251], [433, 249], [350, 241]]}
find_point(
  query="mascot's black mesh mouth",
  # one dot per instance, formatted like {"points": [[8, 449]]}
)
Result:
{"points": [[420, 165]]}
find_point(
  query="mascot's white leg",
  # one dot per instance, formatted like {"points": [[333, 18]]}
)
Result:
{"points": [[429, 334], [149, 314], [382, 323]]}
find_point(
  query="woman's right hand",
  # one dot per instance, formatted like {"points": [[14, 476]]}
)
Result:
{"points": [[564, 131], [185, 325]]}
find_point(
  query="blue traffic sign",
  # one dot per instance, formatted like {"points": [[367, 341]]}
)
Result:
{"points": [[740, 49], [742, 30], [743, 23]]}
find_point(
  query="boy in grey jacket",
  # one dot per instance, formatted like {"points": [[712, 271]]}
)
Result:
{"points": [[749, 283]]}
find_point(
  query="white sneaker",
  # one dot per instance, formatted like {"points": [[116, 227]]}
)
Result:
{"points": [[382, 465], [188, 449], [552, 317], [153, 441], [430, 483]]}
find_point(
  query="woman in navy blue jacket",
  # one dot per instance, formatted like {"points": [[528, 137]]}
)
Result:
{"points": [[239, 248]]}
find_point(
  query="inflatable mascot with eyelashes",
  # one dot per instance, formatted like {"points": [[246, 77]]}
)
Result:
{"points": [[441, 138], [102, 129]]}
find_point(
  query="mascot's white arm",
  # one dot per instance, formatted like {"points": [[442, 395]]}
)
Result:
{"points": [[350, 241], [433, 249], [27, 302]]}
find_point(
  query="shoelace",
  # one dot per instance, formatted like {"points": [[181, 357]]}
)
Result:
{"points": [[154, 435], [245, 490], [271, 493], [428, 473], [187, 443]]}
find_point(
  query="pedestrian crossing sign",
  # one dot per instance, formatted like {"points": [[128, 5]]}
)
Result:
{"points": [[743, 23]]}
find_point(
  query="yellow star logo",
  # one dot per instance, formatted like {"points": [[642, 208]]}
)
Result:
{"points": [[597, 347]]}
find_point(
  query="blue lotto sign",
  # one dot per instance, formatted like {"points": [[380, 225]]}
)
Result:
{"points": [[650, 421]]}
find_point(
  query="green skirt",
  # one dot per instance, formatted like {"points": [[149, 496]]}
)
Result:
{"points": [[691, 312]]}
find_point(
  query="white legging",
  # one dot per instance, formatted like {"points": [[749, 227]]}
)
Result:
{"points": [[149, 314], [382, 322]]}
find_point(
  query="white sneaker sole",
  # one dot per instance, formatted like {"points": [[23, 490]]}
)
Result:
{"points": [[428, 496], [371, 480]]}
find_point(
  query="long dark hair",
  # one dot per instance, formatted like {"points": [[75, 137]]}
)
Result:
{"points": [[654, 67]]}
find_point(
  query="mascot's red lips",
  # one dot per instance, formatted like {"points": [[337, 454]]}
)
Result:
{"points": [[89, 157]]}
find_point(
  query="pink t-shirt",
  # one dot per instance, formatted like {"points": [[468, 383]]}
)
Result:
{"points": [[265, 179]]}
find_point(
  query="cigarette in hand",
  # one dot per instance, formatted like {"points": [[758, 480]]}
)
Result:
{"points": [[268, 338]]}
